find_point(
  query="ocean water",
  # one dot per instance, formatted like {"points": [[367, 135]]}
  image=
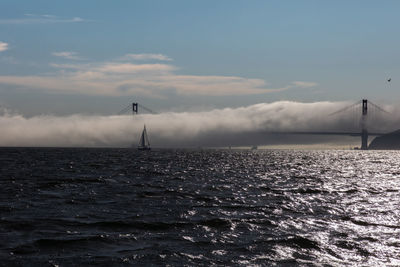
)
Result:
{"points": [[121, 207]]}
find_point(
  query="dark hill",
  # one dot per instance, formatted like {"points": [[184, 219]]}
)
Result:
{"points": [[390, 141]]}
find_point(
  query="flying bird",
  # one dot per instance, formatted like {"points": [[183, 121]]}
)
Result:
{"points": [[389, 79]]}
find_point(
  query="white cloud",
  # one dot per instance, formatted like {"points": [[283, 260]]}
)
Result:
{"points": [[150, 79], [134, 68], [67, 55], [229, 126], [40, 19], [304, 84], [213, 85], [160, 57], [3, 46]]}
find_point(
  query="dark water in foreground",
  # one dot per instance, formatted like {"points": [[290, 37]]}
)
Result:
{"points": [[69, 207]]}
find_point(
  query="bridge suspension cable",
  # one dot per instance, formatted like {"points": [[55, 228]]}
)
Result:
{"points": [[125, 109], [345, 108], [356, 105], [378, 108], [147, 109]]}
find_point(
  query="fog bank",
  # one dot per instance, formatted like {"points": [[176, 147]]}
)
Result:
{"points": [[248, 125]]}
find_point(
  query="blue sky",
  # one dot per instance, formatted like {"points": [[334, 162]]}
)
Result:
{"points": [[65, 57]]}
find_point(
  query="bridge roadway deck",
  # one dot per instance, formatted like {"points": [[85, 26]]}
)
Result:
{"points": [[327, 133]]}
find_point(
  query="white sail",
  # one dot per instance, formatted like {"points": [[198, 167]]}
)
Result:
{"points": [[144, 143]]}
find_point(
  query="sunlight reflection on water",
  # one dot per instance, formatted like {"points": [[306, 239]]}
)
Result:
{"points": [[179, 207]]}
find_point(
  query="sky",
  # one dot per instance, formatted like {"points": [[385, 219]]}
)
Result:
{"points": [[92, 58]]}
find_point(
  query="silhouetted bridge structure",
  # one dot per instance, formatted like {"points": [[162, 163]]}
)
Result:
{"points": [[363, 106], [363, 133]]}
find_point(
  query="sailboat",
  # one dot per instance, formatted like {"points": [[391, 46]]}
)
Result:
{"points": [[144, 143]]}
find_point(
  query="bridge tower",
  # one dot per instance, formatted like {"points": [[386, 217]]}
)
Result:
{"points": [[364, 131], [135, 108]]}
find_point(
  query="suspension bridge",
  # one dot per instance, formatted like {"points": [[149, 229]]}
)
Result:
{"points": [[363, 113]]}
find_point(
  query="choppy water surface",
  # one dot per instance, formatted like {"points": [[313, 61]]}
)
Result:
{"points": [[120, 207]]}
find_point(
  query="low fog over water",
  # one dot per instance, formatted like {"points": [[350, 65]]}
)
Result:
{"points": [[250, 125]]}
